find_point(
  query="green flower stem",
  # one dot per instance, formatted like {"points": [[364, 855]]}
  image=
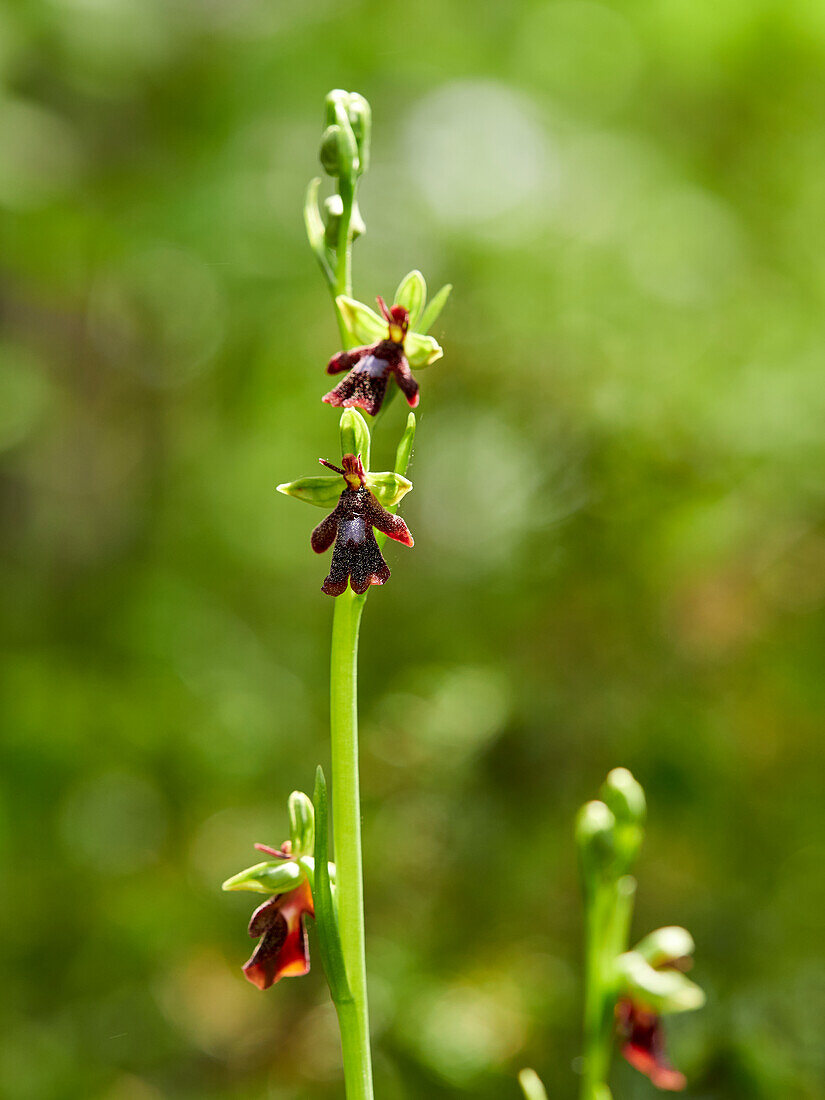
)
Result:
{"points": [[346, 830], [343, 253]]}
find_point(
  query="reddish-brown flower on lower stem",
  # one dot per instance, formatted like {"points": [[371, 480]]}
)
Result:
{"points": [[643, 1035], [356, 558], [283, 950], [371, 367]]}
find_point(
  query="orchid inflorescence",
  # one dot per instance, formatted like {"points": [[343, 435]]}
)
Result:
{"points": [[627, 991]]}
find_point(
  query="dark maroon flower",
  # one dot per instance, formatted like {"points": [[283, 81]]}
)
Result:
{"points": [[370, 367], [356, 557], [283, 951], [643, 1046]]}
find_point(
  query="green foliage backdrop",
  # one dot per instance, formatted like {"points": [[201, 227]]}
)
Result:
{"points": [[619, 513]]}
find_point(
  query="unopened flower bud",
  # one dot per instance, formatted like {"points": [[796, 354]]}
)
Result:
{"points": [[626, 800], [355, 435], [338, 153], [360, 117], [301, 824], [595, 826]]}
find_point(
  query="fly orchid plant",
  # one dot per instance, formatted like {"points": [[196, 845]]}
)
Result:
{"points": [[627, 992], [361, 506]]}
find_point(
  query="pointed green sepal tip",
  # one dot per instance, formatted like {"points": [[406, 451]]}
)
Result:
{"points": [[412, 294], [664, 991], [421, 351], [323, 491], [405, 446], [388, 488], [355, 435], [434, 308], [531, 1085], [666, 945], [301, 824], [267, 878]]}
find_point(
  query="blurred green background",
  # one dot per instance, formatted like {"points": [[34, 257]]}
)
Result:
{"points": [[619, 513]]}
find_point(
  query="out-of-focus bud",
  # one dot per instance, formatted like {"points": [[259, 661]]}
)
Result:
{"points": [[335, 102], [267, 878], [356, 222], [595, 826], [626, 800], [531, 1085], [355, 435], [360, 118], [662, 991], [301, 824], [666, 945], [333, 212]]}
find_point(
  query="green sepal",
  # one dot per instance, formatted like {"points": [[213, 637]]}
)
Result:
{"points": [[420, 350], [335, 101], [388, 488], [273, 877], [324, 491], [339, 153], [364, 324], [354, 435], [662, 991], [531, 1085], [412, 294], [434, 307], [665, 945], [326, 920], [316, 232], [301, 823], [333, 212], [405, 445], [624, 796]]}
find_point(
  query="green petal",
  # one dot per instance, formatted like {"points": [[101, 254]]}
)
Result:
{"points": [[388, 488], [412, 294], [267, 878], [364, 324], [421, 350], [404, 450], [355, 436], [663, 991], [323, 491], [434, 308]]}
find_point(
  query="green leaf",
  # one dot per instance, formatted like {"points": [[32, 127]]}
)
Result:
{"points": [[326, 921], [364, 324], [323, 491], [355, 436], [435, 307], [663, 991], [404, 449], [421, 350], [267, 878], [412, 294], [388, 488], [531, 1085], [301, 823]]}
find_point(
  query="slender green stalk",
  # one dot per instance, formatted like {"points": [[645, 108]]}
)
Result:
{"points": [[346, 830]]}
